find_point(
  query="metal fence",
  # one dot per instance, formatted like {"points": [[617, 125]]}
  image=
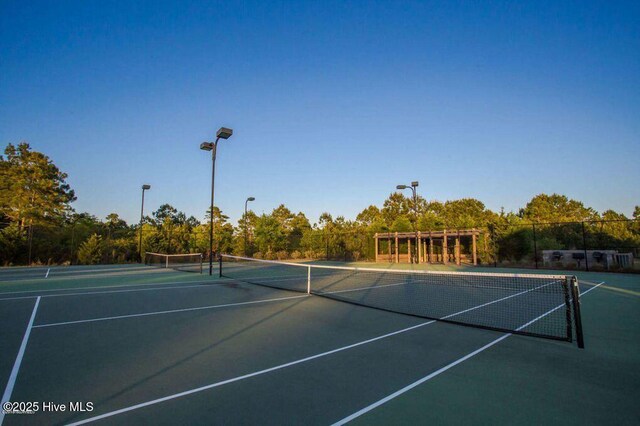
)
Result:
{"points": [[590, 245], [600, 245]]}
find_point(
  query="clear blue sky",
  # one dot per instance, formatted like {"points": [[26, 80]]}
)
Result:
{"points": [[332, 103]]}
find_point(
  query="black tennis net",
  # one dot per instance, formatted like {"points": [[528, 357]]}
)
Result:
{"points": [[529, 304]]}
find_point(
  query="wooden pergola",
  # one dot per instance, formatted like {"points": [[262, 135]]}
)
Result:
{"points": [[433, 246]]}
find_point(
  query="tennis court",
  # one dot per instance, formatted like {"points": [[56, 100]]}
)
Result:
{"points": [[138, 344]]}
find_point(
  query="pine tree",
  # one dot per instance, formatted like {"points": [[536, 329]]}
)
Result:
{"points": [[32, 189]]}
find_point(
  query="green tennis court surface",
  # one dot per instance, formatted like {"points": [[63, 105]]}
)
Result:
{"points": [[156, 346]]}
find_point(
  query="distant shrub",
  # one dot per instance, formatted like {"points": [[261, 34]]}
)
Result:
{"points": [[296, 255], [90, 251], [282, 255]]}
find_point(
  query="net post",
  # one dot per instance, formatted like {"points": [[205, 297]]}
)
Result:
{"points": [[200, 263], [166, 262], [219, 266], [566, 291], [308, 279], [577, 317]]}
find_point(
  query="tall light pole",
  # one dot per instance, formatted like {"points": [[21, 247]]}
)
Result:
{"points": [[144, 188], [223, 133], [246, 222], [413, 187]]}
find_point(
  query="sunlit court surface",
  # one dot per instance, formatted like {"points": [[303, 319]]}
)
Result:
{"points": [[132, 344]]}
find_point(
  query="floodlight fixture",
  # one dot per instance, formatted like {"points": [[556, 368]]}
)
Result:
{"points": [[146, 187], [206, 146], [224, 133], [401, 187]]}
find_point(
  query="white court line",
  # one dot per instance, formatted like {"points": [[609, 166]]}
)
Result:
{"points": [[111, 291], [257, 373], [47, 274], [443, 369], [16, 366], [589, 282], [64, 270], [72, 275], [98, 287], [144, 314], [592, 288]]}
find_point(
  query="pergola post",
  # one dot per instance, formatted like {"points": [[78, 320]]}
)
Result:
{"points": [[409, 249], [473, 247], [445, 254], [431, 260], [457, 253], [419, 247], [376, 240], [397, 260]]}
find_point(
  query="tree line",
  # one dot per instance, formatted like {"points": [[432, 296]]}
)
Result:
{"points": [[39, 225]]}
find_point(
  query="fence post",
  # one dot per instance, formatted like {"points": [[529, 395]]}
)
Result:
{"points": [[493, 242], [535, 245], [30, 239], [73, 231], [584, 245], [326, 246]]}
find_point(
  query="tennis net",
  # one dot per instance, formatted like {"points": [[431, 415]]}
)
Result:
{"points": [[529, 304], [191, 262]]}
